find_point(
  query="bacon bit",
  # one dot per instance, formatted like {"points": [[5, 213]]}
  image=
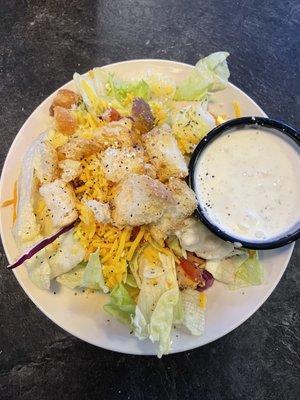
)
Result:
{"points": [[65, 122], [64, 98], [111, 115], [197, 260]]}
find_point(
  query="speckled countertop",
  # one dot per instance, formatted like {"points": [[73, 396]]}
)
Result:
{"points": [[41, 45]]}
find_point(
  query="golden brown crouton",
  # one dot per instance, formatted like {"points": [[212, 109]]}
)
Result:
{"points": [[79, 148], [64, 98], [64, 121]]}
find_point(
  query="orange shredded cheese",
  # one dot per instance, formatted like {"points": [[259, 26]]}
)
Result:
{"points": [[135, 243], [237, 109], [12, 202], [202, 300]]}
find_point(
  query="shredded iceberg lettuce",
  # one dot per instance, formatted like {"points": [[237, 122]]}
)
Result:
{"points": [[88, 275], [249, 273], [72, 279], [209, 75], [121, 305], [238, 270], [193, 315], [120, 90], [158, 297], [69, 253], [93, 275], [224, 270], [195, 237]]}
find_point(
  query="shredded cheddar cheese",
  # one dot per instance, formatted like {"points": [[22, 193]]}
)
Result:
{"points": [[159, 112], [202, 300], [12, 202], [237, 109]]}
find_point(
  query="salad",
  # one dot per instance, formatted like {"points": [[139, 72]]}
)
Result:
{"points": [[103, 204]]}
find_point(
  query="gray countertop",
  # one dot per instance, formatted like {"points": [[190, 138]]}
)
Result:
{"points": [[42, 44]]}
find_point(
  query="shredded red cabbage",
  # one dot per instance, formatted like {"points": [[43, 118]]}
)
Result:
{"points": [[39, 246], [208, 281]]}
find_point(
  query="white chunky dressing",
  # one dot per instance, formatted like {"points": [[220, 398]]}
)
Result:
{"points": [[247, 182]]}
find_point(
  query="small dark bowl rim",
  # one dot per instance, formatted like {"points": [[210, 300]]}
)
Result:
{"points": [[210, 137]]}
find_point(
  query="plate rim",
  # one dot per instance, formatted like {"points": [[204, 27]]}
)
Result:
{"points": [[53, 319]]}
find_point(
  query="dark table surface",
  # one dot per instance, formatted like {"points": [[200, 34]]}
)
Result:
{"points": [[41, 44]]}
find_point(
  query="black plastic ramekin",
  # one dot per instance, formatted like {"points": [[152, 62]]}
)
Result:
{"points": [[210, 137]]}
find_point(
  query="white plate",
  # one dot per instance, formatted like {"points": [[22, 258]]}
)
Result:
{"points": [[82, 315]]}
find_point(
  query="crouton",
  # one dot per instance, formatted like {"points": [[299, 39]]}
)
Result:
{"points": [[79, 148], [117, 163], [64, 121], [183, 206], [116, 134], [140, 200], [101, 210], [164, 153], [70, 169], [60, 200], [64, 98], [45, 162]]}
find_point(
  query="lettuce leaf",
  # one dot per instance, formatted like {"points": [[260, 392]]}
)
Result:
{"points": [[158, 297], [39, 270], [120, 90], [72, 279], [194, 317], [225, 270], [92, 88], [195, 237], [249, 273], [210, 74], [93, 277], [161, 320], [85, 275], [237, 271], [69, 253], [121, 305]]}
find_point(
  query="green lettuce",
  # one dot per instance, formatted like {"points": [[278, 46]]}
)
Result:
{"points": [[237, 271], [86, 276], [249, 273], [157, 300], [193, 315], [39, 270], [121, 305], [225, 270], [72, 279], [119, 89], [93, 276], [92, 88], [209, 75]]}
